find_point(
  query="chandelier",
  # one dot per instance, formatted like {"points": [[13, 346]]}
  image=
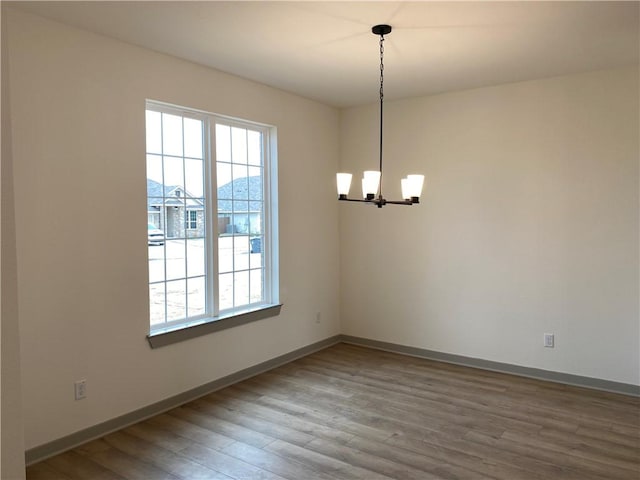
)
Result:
{"points": [[372, 180]]}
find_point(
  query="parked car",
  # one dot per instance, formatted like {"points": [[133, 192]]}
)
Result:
{"points": [[155, 236]]}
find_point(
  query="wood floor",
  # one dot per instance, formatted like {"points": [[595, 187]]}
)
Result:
{"points": [[349, 412]]}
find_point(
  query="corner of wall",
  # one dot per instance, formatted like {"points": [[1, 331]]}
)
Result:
{"points": [[12, 460]]}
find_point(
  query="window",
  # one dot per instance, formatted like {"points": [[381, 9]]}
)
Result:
{"points": [[191, 220], [210, 190]]}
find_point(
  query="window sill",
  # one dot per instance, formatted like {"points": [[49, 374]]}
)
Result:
{"points": [[169, 336]]}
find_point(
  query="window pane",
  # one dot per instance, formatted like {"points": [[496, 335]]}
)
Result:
{"points": [[176, 300], [255, 183], [255, 255], [254, 147], [154, 132], [239, 145], [156, 303], [225, 189], [225, 289], [223, 143], [241, 253], [255, 218], [173, 173], [175, 259], [196, 297], [240, 182], [192, 138], [225, 254], [154, 173], [241, 288], [195, 257], [241, 222], [156, 263], [171, 134], [194, 177], [255, 282]]}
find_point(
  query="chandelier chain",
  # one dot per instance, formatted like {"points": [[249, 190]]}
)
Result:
{"points": [[381, 67], [381, 107]]}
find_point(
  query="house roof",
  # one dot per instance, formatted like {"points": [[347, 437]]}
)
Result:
{"points": [[156, 192], [246, 193]]}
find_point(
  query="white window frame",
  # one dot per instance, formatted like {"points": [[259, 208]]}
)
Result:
{"points": [[215, 319]]}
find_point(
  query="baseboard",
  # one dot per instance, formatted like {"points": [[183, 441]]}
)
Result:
{"points": [[551, 376], [41, 452]]}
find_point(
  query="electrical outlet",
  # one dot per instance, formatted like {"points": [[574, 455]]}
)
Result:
{"points": [[548, 340], [318, 317], [80, 388]]}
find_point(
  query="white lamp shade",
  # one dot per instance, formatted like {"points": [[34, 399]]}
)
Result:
{"points": [[344, 183], [370, 182], [414, 188], [404, 183]]}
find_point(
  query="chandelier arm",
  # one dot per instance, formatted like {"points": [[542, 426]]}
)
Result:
{"points": [[378, 201]]}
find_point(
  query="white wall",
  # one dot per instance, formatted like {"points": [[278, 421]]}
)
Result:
{"points": [[529, 224], [77, 105]]}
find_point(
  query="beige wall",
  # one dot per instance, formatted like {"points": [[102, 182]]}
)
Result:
{"points": [[77, 104], [12, 441], [529, 225]]}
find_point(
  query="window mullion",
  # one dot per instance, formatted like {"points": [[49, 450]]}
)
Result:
{"points": [[213, 233], [184, 226], [266, 214], [163, 218]]}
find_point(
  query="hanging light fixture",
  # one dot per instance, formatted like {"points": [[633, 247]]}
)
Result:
{"points": [[372, 180]]}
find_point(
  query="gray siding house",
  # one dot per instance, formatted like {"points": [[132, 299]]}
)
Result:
{"points": [[240, 204]]}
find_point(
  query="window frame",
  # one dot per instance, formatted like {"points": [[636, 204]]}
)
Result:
{"points": [[214, 319]]}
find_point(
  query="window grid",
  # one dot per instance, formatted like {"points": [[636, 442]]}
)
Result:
{"points": [[249, 282], [182, 280], [235, 272]]}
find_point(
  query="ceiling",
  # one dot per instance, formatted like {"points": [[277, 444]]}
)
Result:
{"points": [[326, 51]]}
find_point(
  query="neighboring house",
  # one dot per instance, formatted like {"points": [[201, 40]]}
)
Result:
{"points": [[174, 210], [240, 206]]}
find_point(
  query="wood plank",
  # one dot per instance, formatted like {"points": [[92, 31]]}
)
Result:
{"points": [[325, 463], [285, 467], [227, 464], [176, 464], [191, 431], [249, 420], [130, 467], [43, 471], [222, 427], [76, 466]]}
